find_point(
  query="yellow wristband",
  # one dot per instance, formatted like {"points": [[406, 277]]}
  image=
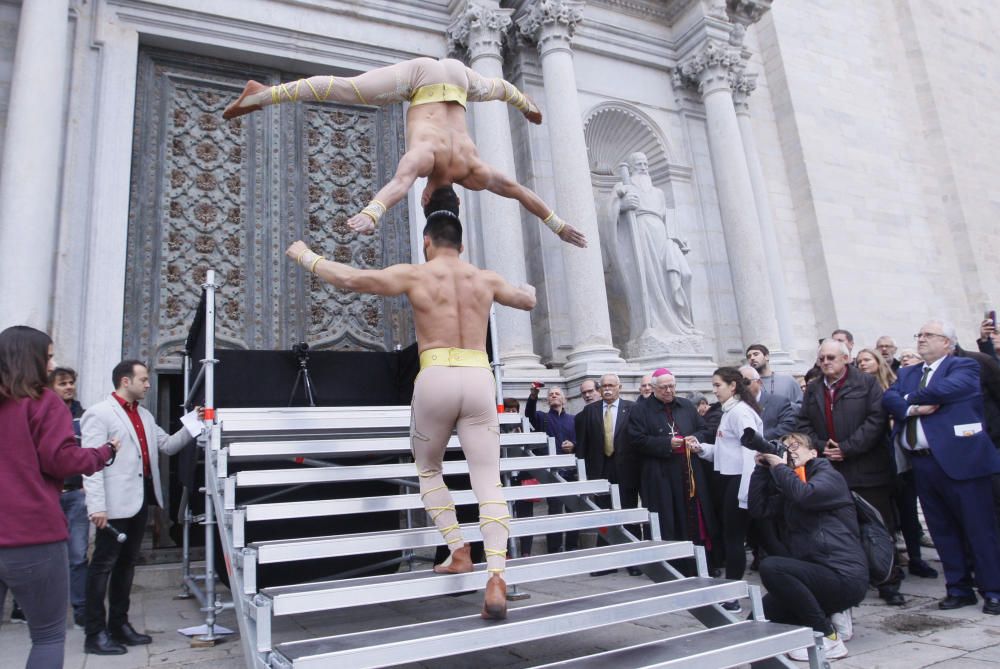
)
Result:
{"points": [[298, 259], [312, 269]]}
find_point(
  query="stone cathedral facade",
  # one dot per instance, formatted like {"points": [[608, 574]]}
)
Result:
{"points": [[821, 163]]}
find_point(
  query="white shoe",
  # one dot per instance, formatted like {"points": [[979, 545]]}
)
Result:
{"points": [[834, 649], [844, 625]]}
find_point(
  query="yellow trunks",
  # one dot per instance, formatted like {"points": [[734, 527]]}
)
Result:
{"points": [[453, 357], [438, 93]]}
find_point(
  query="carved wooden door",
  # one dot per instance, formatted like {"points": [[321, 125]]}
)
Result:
{"points": [[231, 196]]}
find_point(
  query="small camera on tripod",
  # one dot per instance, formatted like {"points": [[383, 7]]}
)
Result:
{"points": [[303, 378]]}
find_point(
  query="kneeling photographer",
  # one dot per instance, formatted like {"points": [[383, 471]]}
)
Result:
{"points": [[825, 570]]}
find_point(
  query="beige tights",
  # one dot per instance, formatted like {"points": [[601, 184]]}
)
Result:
{"points": [[392, 84], [462, 398]]}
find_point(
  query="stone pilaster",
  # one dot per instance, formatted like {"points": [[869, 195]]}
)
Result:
{"points": [[32, 153], [712, 70], [478, 31], [550, 24], [743, 85]]}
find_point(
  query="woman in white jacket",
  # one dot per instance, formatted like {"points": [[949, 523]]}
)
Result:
{"points": [[733, 465]]}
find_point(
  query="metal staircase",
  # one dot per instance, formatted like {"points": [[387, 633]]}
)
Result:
{"points": [[254, 456], [303, 447]]}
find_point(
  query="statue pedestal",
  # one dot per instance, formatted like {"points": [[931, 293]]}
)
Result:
{"points": [[652, 344]]}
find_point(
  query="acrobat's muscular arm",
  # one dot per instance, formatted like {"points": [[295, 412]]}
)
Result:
{"points": [[503, 185], [414, 163], [391, 281]]}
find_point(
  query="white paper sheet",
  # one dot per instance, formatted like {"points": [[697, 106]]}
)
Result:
{"points": [[192, 423]]}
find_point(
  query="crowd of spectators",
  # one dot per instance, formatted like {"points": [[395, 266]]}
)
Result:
{"points": [[884, 425]]}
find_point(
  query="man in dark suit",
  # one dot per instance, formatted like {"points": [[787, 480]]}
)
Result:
{"points": [[938, 408], [601, 442], [776, 412]]}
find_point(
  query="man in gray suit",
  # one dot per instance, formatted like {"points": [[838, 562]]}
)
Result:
{"points": [[121, 494], [777, 412]]}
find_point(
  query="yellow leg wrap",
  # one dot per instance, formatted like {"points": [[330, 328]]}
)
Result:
{"points": [[440, 487], [495, 571], [360, 97], [427, 475], [439, 509]]}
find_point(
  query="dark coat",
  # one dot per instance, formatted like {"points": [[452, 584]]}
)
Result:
{"points": [[818, 517], [989, 381], [662, 471], [859, 424], [777, 414], [712, 418], [590, 444]]}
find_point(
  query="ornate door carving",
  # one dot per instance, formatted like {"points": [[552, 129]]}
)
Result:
{"points": [[230, 196]]}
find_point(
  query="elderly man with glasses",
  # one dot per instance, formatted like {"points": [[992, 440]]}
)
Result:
{"points": [[938, 407], [842, 411]]}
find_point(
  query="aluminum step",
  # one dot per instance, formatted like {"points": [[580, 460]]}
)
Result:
{"points": [[264, 450], [724, 646], [335, 507], [280, 550], [328, 595], [425, 641], [320, 420]]}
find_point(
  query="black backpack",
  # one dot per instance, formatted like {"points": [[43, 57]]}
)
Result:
{"points": [[878, 544]]}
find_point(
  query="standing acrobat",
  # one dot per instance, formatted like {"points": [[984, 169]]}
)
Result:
{"points": [[455, 389], [438, 145]]}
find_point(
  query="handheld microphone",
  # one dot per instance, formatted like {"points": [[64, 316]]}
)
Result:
{"points": [[120, 536]]}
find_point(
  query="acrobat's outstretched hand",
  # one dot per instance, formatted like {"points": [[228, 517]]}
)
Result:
{"points": [[571, 235]]}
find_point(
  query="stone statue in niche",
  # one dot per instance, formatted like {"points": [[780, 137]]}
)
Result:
{"points": [[649, 258]]}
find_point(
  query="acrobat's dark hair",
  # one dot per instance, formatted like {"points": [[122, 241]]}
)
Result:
{"points": [[443, 198], [444, 229]]}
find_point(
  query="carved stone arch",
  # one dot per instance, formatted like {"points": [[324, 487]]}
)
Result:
{"points": [[613, 131]]}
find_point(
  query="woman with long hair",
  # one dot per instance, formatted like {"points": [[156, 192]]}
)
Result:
{"points": [[870, 362], [733, 465], [39, 449]]}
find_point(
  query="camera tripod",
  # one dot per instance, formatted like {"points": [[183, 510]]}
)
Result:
{"points": [[302, 377]]}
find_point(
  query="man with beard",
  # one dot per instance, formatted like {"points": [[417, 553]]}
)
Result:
{"points": [[759, 357], [589, 391], [673, 481], [776, 411], [651, 254]]}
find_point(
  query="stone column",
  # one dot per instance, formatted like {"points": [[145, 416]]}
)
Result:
{"points": [[710, 69], [479, 30], [744, 85], [551, 24], [32, 151]]}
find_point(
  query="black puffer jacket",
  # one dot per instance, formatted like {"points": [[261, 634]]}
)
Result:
{"points": [[820, 523], [859, 427]]}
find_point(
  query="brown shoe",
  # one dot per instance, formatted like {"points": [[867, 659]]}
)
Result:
{"points": [[459, 562], [234, 110], [495, 603]]}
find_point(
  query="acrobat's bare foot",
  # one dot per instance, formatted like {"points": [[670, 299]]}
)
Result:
{"points": [[495, 602], [238, 108], [459, 562], [532, 113], [361, 223], [571, 235]]}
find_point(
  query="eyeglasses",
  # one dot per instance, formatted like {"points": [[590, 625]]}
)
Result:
{"points": [[827, 358], [928, 335]]}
